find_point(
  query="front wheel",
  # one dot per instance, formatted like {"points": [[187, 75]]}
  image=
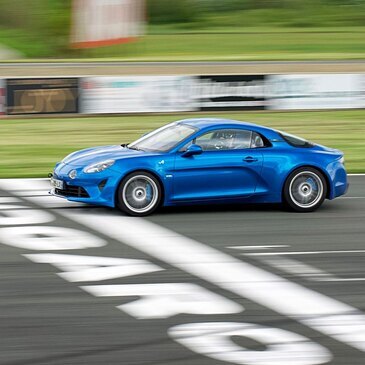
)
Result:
{"points": [[139, 194], [305, 190]]}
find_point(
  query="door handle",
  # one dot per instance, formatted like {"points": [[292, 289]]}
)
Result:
{"points": [[250, 159]]}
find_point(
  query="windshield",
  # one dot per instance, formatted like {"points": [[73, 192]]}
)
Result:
{"points": [[163, 139]]}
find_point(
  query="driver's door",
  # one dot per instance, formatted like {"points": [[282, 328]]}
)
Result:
{"points": [[227, 168]]}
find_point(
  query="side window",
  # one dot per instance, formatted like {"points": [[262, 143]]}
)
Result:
{"points": [[257, 141], [225, 139]]}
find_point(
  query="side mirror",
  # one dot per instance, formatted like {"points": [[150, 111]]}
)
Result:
{"points": [[192, 150]]}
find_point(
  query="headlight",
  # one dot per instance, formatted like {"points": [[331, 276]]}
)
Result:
{"points": [[98, 167], [342, 160], [72, 174]]}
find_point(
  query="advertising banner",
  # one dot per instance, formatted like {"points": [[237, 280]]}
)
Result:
{"points": [[42, 96], [230, 92], [97, 23], [315, 91], [137, 94], [2, 97]]}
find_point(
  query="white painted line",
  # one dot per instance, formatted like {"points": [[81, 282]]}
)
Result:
{"points": [[24, 184], [261, 247], [324, 314], [163, 300], [33, 193], [42, 238], [306, 271], [343, 279], [19, 217], [295, 267], [6, 200], [355, 174], [50, 201], [78, 268], [214, 339], [14, 207], [351, 197], [27, 179], [300, 253]]}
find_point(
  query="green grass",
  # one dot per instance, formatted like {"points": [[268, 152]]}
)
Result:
{"points": [[31, 147], [254, 44]]}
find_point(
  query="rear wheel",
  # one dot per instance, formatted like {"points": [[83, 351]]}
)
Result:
{"points": [[305, 190], [139, 194]]}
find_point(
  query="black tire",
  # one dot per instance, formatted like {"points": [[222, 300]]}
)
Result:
{"points": [[304, 190], [139, 194]]}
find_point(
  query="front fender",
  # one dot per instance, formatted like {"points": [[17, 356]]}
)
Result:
{"points": [[158, 167]]}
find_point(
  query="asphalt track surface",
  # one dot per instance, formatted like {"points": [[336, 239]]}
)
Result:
{"points": [[116, 68], [64, 302]]}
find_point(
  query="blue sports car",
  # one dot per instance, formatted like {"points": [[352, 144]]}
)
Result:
{"points": [[203, 160]]}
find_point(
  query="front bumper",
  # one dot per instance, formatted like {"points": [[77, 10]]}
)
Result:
{"points": [[97, 188]]}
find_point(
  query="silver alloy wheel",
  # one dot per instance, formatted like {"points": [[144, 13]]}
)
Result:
{"points": [[140, 194], [306, 189]]}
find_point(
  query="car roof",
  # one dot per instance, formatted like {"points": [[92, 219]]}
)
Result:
{"points": [[202, 123]]}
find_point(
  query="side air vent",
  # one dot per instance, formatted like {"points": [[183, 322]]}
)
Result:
{"points": [[102, 185]]}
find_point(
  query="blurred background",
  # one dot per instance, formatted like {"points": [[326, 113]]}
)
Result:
{"points": [[198, 29], [223, 58]]}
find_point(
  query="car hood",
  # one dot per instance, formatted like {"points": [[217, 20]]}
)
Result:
{"points": [[98, 154]]}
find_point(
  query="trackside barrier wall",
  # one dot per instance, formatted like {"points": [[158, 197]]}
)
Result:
{"points": [[315, 91], [2, 97], [137, 94], [164, 94], [42, 96]]}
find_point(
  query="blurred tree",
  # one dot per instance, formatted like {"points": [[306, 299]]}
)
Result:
{"points": [[12, 13], [47, 22], [36, 15], [168, 11], [231, 5], [226, 5]]}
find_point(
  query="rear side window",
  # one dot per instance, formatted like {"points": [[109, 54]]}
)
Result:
{"points": [[259, 141], [295, 141]]}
